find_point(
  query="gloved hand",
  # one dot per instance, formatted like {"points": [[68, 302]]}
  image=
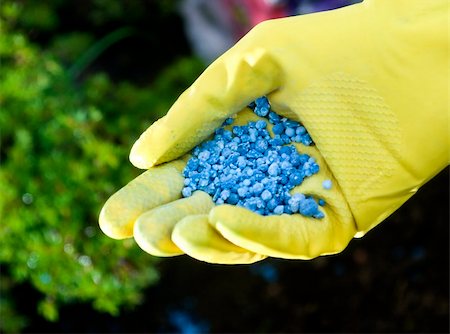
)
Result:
{"points": [[368, 82], [150, 208]]}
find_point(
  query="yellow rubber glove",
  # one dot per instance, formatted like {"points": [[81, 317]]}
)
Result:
{"points": [[368, 81]]}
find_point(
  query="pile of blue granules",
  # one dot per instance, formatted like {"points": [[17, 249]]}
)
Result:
{"points": [[249, 168]]}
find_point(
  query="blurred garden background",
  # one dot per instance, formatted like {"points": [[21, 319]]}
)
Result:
{"points": [[79, 82]]}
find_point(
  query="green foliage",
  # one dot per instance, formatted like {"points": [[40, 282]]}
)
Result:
{"points": [[64, 151], [10, 320], [40, 14]]}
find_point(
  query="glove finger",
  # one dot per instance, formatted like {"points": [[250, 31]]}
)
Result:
{"points": [[285, 236], [292, 236], [153, 229], [228, 85], [197, 238], [152, 188]]}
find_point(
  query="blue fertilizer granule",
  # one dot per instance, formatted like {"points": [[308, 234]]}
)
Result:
{"points": [[249, 168], [327, 184]]}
